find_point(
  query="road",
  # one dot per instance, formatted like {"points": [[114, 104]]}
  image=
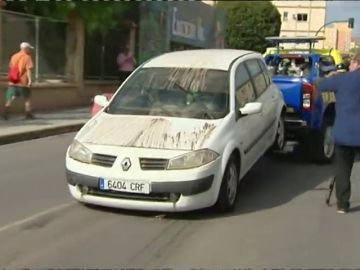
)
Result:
{"points": [[281, 221]]}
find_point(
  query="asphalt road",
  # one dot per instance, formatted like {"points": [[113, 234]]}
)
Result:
{"points": [[281, 221]]}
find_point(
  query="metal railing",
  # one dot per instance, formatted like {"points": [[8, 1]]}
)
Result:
{"points": [[48, 36]]}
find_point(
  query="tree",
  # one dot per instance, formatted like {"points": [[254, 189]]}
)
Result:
{"points": [[97, 16], [81, 16], [249, 22]]}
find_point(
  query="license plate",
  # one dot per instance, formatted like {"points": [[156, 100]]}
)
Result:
{"points": [[124, 186], [290, 110]]}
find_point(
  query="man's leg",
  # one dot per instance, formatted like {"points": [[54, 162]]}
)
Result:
{"points": [[10, 96], [26, 93], [343, 167]]}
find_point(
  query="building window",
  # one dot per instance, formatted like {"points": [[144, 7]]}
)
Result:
{"points": [[302, 17], [285, 16]]}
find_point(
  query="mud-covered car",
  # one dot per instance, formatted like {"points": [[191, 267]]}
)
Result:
{"points": [[179, 134]]}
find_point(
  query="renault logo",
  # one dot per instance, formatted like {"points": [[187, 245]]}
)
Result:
{"points": [[126, 164]]}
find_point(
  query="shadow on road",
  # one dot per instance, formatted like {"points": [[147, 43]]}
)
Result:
{"points": [[272, 182]]}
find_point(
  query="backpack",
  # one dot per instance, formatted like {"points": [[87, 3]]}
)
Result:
{"points": [[14, 74]]}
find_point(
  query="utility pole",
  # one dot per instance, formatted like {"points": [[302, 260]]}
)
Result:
{"points": [[350, 24]]}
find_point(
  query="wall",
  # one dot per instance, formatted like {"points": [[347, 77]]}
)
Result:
{"points": [[193, 24], [315, 10], [196, 24], [47, 97], [338, 36], [209, 2]]}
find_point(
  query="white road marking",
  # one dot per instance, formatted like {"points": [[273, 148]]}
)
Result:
{"points": [[35, 216]]}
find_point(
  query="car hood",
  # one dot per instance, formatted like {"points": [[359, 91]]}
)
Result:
{"points": [[148, 132]]}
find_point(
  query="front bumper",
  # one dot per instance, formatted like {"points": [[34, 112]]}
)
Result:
{"points": [[186, 188], [170, 190]]}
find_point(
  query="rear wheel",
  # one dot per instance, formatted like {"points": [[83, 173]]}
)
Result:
{"points": [[320, 145], [229, 187], [279, 143]]}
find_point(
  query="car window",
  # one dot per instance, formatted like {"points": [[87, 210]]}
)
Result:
{"points": [[326, 64], [244, 89], [257, 76], [266, 72], [327, 60], [290, 65]]}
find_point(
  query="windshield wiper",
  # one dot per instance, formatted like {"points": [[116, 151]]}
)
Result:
{"points": [[206, 115]]}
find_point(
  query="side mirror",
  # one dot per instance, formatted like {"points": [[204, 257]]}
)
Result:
{"points": [[101, 101], [251, 108]]}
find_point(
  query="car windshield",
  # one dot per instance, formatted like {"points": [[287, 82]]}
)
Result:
{"points": [[174, 92]]}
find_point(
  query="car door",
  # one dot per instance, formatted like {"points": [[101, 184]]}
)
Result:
{"points": [[247, 127], [267, 98], [274, 94]]}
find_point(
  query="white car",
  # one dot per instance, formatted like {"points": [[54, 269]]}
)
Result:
{"points": [[179, 134]]}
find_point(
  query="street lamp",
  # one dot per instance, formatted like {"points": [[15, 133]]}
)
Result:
{"points": [[350, 22]]}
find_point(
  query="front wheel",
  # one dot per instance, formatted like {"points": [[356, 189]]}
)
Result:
{"points": [[229, 187]]}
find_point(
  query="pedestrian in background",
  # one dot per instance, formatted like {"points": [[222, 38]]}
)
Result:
{"points": [[126, 63], [20, 81], [346, 87]]}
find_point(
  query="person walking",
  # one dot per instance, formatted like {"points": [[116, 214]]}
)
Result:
{"points": [[20, 81], [126, 63], [346, 132]]}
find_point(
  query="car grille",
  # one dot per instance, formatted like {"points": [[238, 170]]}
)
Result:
{"points": [[103, 160], [153, 164], [155, 197]]}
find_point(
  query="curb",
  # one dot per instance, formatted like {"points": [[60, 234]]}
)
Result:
{"points": [[36, 134]]}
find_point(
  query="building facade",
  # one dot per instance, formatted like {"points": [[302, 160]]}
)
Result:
{"points": [[355, 43], [301, 18], [210, 2], [178, 25], [338, 36]]}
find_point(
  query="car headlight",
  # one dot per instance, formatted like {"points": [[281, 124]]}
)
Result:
{"points": [[192, 160], [79, 152]]}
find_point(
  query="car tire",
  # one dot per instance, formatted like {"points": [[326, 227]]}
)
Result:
{"points": [[229, 187], [319, 146], [280, 139]]}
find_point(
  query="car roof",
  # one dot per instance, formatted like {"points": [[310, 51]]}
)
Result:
{"points": [[218, 59]]}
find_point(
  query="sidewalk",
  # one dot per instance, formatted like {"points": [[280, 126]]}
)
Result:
{"points": [[46, 124]]}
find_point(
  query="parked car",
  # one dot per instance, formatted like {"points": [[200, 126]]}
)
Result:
{"points": [[95, 108], [179, 134], [307, 120]]}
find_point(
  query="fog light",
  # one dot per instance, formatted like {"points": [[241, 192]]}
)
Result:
{"points": [[174, 197], [83, 189]]}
